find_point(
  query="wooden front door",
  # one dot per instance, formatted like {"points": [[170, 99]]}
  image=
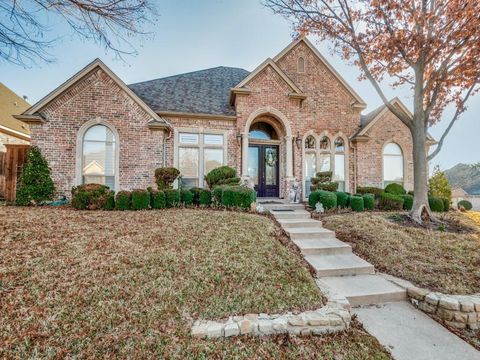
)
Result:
{"points": [[263, 169]]}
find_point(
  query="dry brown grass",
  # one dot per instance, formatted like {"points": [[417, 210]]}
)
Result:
{"points": [[128, 284], [446, 261]]}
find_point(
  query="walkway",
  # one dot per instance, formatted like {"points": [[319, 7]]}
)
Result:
{"points": [[406, 331]]}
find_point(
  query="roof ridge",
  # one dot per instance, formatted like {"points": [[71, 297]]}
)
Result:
{"points": [[190, 72]]}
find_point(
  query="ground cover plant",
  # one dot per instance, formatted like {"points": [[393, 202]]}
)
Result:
{"points": [[96, 284], [443, 258]]}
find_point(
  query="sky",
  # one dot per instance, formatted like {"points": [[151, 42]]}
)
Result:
{"points": [[191, 35]]}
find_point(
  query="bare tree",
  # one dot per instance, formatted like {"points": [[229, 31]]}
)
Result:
{"points": [[430, 46], [25, 36]]}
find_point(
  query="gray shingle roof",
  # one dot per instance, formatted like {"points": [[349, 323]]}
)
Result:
{"points": [[205, 91], [367, 118]]}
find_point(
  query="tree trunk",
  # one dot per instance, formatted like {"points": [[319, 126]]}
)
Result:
{"points": [[421, 210]]}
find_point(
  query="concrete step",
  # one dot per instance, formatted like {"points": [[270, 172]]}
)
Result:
{"points": [[296, 214], [366, 289], [299, 223], [284, 206], [322, 246], [297, 233], [339, 264]]}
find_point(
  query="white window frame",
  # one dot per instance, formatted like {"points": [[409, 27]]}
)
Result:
{"points": [[201, 146], [383, 162]]}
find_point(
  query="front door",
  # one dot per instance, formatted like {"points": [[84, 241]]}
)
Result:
{"points": [[263, 169]]}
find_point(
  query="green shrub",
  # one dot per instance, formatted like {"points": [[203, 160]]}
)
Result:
{"points": [[172, 197], [438, 186], [326, 186], [436, 204], [205, 198], [196, 195], [35, 184], [467, 205], [407, 201], [369, 190], [140, 199], [357, 203], [326, 198], [238, 196], [164, 177], [395, 189], [342, 199], [221, 176], [92, 197], [369, 201], [389, 201], [186, 197], [123, 200], [322, 176], [446, 204], [157, 200], [313, 198]]}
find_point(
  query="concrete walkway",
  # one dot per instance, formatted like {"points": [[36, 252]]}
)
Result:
{"points": [[406, 331]]}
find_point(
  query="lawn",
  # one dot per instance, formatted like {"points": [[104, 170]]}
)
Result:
{"points": [[443, 258], [99, 284]]}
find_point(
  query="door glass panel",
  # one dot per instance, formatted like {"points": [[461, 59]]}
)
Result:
{"points": [[253, 164], [271, 166]]}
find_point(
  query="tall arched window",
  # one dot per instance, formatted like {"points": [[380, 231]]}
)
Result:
{"points": [[310, 162], [392, 164], [325, 154], [301, 65], [339, 175], [98, 156]]}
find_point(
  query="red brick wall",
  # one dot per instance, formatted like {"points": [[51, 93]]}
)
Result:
{"points": [[370, 154], [97, 96]]}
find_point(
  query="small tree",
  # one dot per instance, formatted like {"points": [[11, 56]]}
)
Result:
{"points": [[35, 184], [438, 185]]}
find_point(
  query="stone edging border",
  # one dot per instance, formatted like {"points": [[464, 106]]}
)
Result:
{"points": [[334, 316]]}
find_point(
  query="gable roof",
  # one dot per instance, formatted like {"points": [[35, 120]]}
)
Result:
{"points": [[10, 105], [32, 113], [360, 102], [201, 92]]}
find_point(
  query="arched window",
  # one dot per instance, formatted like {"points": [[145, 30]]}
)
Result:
{"points": [[310, 162], [262, 131], [301, 65], [98, 156], [392, 164], [325, 155], [339, 161]]}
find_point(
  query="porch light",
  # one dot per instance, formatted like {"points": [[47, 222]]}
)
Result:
{"points": [[298, 141], [239, 139]]}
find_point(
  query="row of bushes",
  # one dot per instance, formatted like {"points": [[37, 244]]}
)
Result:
{"points": [[96, 196]]}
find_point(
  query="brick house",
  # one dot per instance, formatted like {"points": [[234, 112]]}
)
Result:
{"points": [[292, 116]]}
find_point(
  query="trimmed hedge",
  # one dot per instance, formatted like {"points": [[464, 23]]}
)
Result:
{"points": [[157, 200], [446, 204], [205, 198], [93, 197], [357, 203], [123, 200], [186, 197], [407, 201], [342, 199], [140, 199], [164, 177], [390, 201], [196, 195], [172, 197], [467, 205], [326, 198], [326, 186], [221, 176], [395, 189], [238, 196], [436, 204], [217, 194], [369, 190], [369, 201]]}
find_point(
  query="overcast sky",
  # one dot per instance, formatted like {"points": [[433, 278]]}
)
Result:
{"points": [[191, 35]]}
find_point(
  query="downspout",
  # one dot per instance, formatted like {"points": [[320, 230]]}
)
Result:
{"points": [[165, 139]]}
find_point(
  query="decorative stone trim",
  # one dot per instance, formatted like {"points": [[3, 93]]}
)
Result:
{"points": [[459, 311], [333, 317]]}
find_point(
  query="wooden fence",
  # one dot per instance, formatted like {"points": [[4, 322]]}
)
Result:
{"points": [[11, 163]]}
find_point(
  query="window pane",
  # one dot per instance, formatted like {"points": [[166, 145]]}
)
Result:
{"points": [[99, 133], [339, 145], [98, 156], [324, 162], [212, 158], [392, 149], [186, 138], [341, 185], [188, 162], [271, 166], [325, 143], [310, 170], [339, 168], [210, 139], [310, 142], [393, 168], [189, 183], [253, 164]]}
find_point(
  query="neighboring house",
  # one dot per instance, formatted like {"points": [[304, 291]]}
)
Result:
{"points": [[460, 194], [294, 115], [12, 131]]}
